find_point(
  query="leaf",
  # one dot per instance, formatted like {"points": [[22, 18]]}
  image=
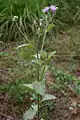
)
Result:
{"points": [[50, 27], [29, 114], [38, 62], [37, 56], [26, 51], [39, 87], [44, 55], [51, 54], [30, 86], [48, 97], [25, 45], [20, 46], [1, 53]]}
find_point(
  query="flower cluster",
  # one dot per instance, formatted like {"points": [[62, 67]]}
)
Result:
{"points": [[52, 8]]}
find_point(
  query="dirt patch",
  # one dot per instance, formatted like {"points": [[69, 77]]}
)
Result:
{"points": [[66, 106]]}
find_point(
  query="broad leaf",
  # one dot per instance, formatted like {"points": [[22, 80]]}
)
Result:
{"points": [[39, 87], [48, 97], [26, 51], [29, 114]]}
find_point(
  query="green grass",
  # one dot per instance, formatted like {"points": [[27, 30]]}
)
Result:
{"points": [[28, 11]]}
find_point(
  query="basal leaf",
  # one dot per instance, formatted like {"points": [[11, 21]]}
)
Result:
{"points": [[29, 114]]}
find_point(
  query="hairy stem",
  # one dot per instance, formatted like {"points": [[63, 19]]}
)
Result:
{"points": [[44, 37], [38, 75]]}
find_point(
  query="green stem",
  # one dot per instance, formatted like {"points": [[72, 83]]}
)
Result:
{"points": [[44, 37], [38, 115], [43, 40], [38, 98], [43, 72], [38, 81], [11, 7]]}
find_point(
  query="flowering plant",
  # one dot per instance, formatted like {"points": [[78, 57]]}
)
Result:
{"points": [[38, 60]]}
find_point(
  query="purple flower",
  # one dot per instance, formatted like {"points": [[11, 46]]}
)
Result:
{"points": [[46, 9], [53, 8]]}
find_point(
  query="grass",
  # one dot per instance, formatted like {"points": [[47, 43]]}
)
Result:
{"points": [[28, 12]]}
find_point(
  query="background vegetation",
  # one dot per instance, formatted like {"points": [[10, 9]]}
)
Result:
{"points": [[28, 11]]}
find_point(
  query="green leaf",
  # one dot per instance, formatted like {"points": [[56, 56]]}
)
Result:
{"points": [[26, 51], [44, 55], [48, 97], [50, 27], [25, 45], [39, 87], [29, 114], [37, 56], [51, 54], [30, 86], [1, 53], [20, 46]]}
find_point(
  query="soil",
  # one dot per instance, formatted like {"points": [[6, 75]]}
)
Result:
{"points": [[66, 106]]}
